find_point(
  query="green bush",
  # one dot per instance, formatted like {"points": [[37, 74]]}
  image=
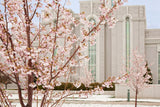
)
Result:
{"points": [[70, 86], [94, 85]]}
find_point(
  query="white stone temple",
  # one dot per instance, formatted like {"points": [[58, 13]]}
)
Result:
{"points": [[115, 45]]}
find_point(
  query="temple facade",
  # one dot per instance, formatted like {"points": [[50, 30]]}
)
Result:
{"points": [[114, 46]]}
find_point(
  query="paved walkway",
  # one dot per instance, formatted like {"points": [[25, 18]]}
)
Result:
{"points": [[102, 99], [114, 102]]}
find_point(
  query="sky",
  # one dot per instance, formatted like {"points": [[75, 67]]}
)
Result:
{"points": [[152, 10]]}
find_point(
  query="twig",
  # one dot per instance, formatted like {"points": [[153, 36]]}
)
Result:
{"points": [[35, 9]]}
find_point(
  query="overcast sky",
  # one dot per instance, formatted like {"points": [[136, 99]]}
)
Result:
{"points": [[152, 10]]}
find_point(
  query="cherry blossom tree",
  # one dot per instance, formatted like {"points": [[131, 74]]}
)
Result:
{"points": [[135, 78], [29, 49]]}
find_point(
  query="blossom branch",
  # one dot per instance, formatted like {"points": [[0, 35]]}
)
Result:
{"points": [[45, 95], [3, 42], [19, 90], [55, 38], [61, 99], [93, 29], [38, 2], [5, 98], [36, 36], [8, 77], [6, 19], [9, 37]]}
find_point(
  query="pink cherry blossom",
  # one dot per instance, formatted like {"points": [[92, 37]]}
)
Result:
{"points": [[38, 43]]}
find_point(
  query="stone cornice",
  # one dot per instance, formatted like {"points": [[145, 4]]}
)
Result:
{"points": [[152, 41]]}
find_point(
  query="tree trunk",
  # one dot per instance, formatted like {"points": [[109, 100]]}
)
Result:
{"points": [[136, 97], [30, 91]]}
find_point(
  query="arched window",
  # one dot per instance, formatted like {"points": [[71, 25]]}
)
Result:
{"points": [[127, 42], [92, 54]]}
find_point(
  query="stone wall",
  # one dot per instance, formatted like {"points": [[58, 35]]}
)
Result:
{"points": [[152, 91]]}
